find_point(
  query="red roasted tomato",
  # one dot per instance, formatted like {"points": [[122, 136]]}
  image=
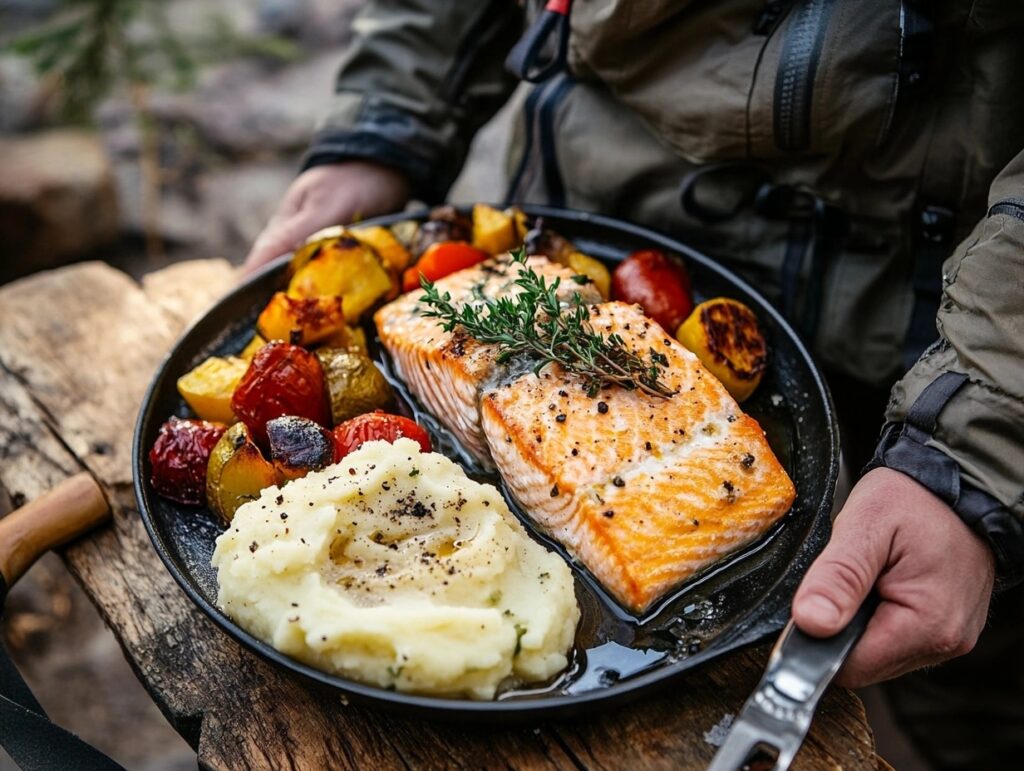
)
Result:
{"points": [[179, 457], [658, 283], [351, 434], [282, 379], [441, 259]]}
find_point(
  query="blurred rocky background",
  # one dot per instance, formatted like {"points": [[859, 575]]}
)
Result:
{"points": [[146, 130], [140, 132]]}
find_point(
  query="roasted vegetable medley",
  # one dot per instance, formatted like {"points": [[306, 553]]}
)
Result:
{"points": [[303, 392]]}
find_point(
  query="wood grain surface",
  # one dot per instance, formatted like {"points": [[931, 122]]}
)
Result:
{"points": [[78, 347]]}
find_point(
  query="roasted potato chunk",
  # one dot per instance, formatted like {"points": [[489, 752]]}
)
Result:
{"points": [[519, 221], [302, 321], [354, 384], [585, 265], [209, 386], [389, 249], [727, 339], [356, 340], [298, 446], [405, 231], [252, 346], [493, 231], [237, 472], [344, 268]]}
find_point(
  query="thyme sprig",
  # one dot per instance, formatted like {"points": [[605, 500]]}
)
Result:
{"points": [[535, 322]]}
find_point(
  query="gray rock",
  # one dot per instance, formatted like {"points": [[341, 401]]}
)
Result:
{"points": [[283, 17], [57, 199], [244, 110], [22, 96]]}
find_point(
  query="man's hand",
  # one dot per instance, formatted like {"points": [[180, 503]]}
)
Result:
{"points": [[333, 194], [933, 577]]}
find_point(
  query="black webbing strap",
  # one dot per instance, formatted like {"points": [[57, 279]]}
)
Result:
{"points": [[903, 447], [28, 736], [933, 244], [923, 415], [551, 29]]}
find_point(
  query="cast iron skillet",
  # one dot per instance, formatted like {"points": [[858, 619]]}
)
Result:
{"points": [[617, 657]]}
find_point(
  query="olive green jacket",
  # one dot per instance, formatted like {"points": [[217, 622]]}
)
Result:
{"points": [[832, 151]]}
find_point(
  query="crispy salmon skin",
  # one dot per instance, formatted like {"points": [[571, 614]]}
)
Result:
{"points": [[644, 491]]}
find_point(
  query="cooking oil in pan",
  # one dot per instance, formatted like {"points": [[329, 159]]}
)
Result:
{"points": [[613, 644]]}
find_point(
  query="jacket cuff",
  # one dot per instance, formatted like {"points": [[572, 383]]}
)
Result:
{"points": [[905, 447], [368, 129], [348, 145]]}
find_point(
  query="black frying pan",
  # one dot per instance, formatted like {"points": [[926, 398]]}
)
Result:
{"points": [[617, 656]]}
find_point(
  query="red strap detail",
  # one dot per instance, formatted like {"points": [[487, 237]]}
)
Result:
{"points": [[558, 6]]}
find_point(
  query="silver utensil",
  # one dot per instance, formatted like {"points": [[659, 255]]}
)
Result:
{"points": [[773, 723]]}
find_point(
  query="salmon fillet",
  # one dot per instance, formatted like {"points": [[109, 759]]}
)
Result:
{"points": [[645, 492], [445, 370]]}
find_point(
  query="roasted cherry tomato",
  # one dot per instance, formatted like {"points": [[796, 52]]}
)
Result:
{"points": [[351, 434], [282, 379], [441, 259], [658, 283], [179, 457]]}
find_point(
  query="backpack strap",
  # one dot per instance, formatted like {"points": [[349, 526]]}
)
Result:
{"points": [[551, 27], [933, 243]]}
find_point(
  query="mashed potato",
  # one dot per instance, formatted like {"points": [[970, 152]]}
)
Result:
{"points": [[394, 568]]}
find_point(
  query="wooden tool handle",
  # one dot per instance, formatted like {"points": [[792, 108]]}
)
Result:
{"points": [[69, 510]]}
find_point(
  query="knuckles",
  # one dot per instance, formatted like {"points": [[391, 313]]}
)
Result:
{"points": [[952, 642]]}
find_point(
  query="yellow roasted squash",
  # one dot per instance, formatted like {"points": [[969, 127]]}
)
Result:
{"points": [[519, 222], [391, 251], [493, 231], [585, 265], [207, 389], [252, 346], [725, 335], [344, 268], [301, 321]]}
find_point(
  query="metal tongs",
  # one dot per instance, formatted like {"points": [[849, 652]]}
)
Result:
{"points": [[774, 721]]}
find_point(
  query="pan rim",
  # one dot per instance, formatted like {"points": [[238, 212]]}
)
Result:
{"points": [[549, 705]]}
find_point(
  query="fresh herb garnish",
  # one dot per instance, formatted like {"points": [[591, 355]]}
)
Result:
{"points": [[536, 323]]}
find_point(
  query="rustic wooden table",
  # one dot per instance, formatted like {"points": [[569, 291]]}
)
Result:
{"points": [[77, 348]]}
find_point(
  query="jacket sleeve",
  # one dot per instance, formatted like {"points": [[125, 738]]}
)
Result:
{"points": [[955, 422], [419, 79]]}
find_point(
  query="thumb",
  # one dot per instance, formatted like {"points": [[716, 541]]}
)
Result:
{"points": [[842, 576]]}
